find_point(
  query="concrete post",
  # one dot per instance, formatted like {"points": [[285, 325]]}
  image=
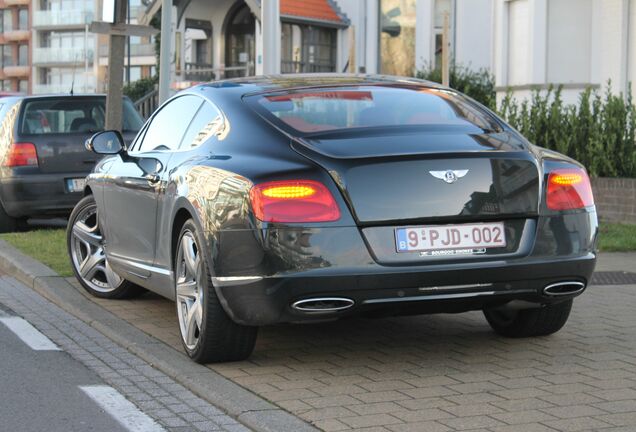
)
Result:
{"points": [[116, 52], [165, 51], [271, 31]]}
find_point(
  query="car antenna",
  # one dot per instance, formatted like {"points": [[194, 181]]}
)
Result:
{"points": [[73, 79]]}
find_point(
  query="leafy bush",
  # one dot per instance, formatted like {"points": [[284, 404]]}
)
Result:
{"points": [[599, 132], [479, 85], [137, 89]]}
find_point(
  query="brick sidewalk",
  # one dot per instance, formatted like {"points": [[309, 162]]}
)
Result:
{"points": [[438, 373]]}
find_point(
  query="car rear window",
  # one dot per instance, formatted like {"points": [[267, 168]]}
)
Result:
{"points": [[79, 115], [329, 109]]}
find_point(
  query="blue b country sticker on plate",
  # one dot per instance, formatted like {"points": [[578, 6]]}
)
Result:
{"points": [[402, 245]]}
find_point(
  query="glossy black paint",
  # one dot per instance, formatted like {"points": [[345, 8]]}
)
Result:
{"points": [[42, 190], [260, 269]]}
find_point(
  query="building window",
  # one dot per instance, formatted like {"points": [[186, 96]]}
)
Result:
{"points": [[442, 7], [23, 19], [306, 48], [5, 85], [240, 42], [7, 20], [397, 37], [6, 57], [23, 86], [23, 55]]}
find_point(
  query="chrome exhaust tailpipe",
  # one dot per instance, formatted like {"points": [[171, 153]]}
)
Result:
{"points": [[323, 304], [564, 288]]}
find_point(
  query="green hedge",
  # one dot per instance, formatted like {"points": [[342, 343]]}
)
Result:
{"points": [[137, 89], [599, 131]]}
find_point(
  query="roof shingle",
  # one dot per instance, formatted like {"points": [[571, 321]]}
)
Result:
{"points": [[313, 9]]}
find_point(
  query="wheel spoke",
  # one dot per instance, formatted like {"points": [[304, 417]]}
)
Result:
{"points": [[92, 264], [187, 289], [190, 257], [191, 326], [86, 234]]}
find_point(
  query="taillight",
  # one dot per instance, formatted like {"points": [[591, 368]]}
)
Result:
{"points": [[569, 189], [21, 154], [294, 201]]}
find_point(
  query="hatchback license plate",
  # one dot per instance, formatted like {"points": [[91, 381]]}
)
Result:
{"points": [[450, 237], [75, 184]]}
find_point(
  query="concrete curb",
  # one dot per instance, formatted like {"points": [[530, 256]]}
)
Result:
{"points": [[248, 408]]}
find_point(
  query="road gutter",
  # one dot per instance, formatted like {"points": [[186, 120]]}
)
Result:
{"points": [[239, 403]]}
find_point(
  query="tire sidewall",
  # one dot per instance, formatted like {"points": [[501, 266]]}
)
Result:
{"points": [[190, 226]]}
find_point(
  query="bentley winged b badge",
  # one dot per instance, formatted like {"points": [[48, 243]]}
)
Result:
{"points": [[449, 176]]}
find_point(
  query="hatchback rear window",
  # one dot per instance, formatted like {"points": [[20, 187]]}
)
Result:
{"points": [[79, 115], [324, 110]]}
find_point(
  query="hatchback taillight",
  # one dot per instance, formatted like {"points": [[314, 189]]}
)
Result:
{"points": [[569, 189], [294, 201], [21, 154]]}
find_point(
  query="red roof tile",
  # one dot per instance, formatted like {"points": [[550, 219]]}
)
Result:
{"points": [[312, 9]]}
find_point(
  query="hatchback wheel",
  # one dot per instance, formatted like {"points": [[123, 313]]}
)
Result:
{"points": [[86, 249], [207, 332], [541, 321]]}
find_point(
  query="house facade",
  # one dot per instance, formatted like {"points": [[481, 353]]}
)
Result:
{"points": [[222, 38], [572, 43]]}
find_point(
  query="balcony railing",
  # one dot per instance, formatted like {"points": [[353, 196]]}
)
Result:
{"points": [[78, 87], [305, 67], [69, 18], [136, 50], [16, 35], [13, 71], [61, 55]]}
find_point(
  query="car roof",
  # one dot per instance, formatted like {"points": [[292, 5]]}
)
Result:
{"points": [[273, 83]]}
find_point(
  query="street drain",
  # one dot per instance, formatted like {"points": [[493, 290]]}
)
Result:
{"points": [[613, 278]]}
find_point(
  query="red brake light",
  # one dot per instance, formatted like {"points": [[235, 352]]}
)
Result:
{"points": [[21, 154], [569, 189], [293, 201]]}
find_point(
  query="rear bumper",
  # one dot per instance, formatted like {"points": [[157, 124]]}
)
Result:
{"points": [[269, 300], [262, 274], [38, 194]]}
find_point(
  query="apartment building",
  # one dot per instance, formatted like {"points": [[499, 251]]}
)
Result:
{"points": [[63, 49], [15, 41]]}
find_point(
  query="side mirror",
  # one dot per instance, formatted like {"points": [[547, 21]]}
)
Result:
{"points": [[106, 142]]}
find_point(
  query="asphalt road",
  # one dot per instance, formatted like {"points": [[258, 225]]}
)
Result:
{"points": [[41, 390]]}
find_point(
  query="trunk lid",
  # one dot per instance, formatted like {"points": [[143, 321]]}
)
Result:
{"points": [[393, 177]]}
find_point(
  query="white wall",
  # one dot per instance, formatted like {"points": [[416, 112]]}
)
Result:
{"points": [[474, 33], [363, 15]]}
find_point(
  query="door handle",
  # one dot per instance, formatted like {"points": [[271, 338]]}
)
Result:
{"points": [[153, 179]]}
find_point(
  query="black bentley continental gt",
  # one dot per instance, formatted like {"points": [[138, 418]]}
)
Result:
{"points": [[314, 197]]}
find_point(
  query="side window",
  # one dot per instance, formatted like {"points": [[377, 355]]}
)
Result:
{"points": [[168, 126], [205, 124]]}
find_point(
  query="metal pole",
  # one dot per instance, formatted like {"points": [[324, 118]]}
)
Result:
{"points": [[128, 47], [164, 55], [86, 58], [445, 51]]}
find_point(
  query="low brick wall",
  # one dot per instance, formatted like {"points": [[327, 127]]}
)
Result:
{"points": [[615, 199]]}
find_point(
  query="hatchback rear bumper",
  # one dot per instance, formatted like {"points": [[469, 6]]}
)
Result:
{"points": [[38, 194]]}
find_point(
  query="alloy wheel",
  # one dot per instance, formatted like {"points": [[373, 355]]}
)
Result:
{"points": [[190, 289], [87, 252]]}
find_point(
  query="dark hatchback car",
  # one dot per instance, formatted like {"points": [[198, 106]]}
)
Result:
{"points": [[43, 160], [311, 198]]}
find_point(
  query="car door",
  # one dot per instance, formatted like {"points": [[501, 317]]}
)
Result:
{"points": [[134, 183]]}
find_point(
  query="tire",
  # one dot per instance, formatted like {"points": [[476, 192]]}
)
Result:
{"points": [[7, 223], [207, 333], [85, 249], [541, 321]]}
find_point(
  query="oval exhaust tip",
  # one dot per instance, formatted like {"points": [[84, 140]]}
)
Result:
{"points": [[564, 288], [323, 304]]}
